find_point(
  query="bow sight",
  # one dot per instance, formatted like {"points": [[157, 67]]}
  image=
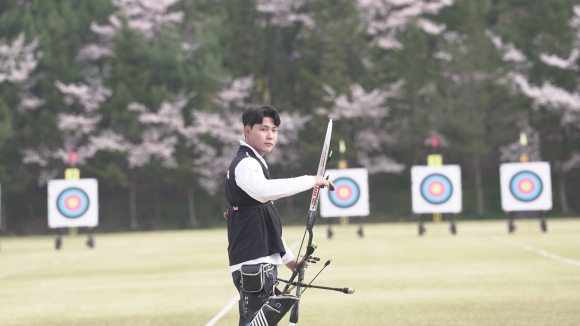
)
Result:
{"points": [[312, 245]]}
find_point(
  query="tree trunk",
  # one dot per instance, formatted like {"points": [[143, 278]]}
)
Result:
{"points": [[480, 205], [563, 195], [133, 205], [191, 204], [3, 218], [157, 204]]}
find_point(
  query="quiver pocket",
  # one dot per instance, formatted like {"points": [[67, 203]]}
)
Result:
{"points": [[253, 277]]}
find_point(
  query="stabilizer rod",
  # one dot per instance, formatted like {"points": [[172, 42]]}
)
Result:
{"points": [[343, 290]]}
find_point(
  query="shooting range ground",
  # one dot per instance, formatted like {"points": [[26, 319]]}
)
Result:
{"points": [[182, 278]]}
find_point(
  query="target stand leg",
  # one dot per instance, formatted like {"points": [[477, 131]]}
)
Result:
{"points": [[329, 232], [90, 241], [543, 225], [421, 227], [453, 228], [58, 241], [511, 225]]}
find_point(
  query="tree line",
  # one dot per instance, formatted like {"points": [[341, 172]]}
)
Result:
{"points": [[148, 95]]}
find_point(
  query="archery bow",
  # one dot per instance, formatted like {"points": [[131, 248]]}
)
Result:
{"points": [[312, 211], [312, 245]]}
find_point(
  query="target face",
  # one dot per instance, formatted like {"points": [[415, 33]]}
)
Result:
{"points": [[436, 189], [350, 196], [526, 186], [345, 194], [73, 203]]}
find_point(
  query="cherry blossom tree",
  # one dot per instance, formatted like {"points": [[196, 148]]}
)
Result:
{"points": [[160, 137], [147, 17], [79, 128], [214, 135], [370, 110], [17, 65], [564, 102], [467, 102], [285, 13], [386, 18]]}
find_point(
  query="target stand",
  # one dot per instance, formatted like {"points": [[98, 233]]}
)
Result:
{"points": [[436, 190], [73, 203], [350, 197], [526, 190]]}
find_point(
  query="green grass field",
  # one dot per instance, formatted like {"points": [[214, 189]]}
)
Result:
{"points": [[182, 277]]}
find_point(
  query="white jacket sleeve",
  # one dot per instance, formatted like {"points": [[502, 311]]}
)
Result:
{"points": [[251, 179]]}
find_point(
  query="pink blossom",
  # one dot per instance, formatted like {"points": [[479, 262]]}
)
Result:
{"points": [[548, 94], [510, 52], [569, 164], [77, 123], [148, 16], [234, 92], [285, 13], [360, 104], [108, 140], [90, 95], [566, 64], [385, 18], [17, 63], [154, 145], [371, 109], [46, 175]]}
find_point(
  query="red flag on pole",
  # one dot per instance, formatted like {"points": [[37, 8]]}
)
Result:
{"points": [[73, 157], [434, 141]]}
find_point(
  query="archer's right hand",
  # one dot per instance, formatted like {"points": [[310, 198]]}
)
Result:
{"points": [[322, 182]]}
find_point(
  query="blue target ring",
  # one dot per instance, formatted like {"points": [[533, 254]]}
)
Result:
{"points": [[526, 186], [72, 202], [346, 192], [436, 189]]}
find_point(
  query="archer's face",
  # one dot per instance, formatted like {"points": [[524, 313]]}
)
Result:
{"points": [[262, 137]]}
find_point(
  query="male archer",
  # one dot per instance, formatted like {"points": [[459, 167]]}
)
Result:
{"points": [[256, 246]]}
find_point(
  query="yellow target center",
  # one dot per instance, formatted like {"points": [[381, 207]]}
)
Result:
{"points": [[73, 203], [436, 189], [343, 192], [526, 186]]}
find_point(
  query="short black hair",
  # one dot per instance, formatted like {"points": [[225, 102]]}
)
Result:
{"points": [[256, 114]]}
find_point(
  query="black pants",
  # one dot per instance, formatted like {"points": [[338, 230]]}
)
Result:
{"points": [[254, 301]]}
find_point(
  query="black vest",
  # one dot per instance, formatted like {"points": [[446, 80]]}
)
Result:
{"points": [[254, 232]]}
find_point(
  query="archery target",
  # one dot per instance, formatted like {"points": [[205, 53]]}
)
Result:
{"points": [[526, 186], [73, 203], [436, 189], [346, 193], [350, 196]]}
